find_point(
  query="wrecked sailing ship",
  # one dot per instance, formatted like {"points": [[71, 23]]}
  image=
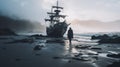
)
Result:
{"points": [[56, 28]]}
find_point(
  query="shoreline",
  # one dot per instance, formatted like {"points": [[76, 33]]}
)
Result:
{"points": [[54, 53]]}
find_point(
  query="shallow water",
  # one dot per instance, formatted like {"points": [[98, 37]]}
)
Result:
{"points": [[102, 54]]}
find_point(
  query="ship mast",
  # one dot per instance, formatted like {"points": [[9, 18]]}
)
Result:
{"points": [[57, 2], [54, 15]]}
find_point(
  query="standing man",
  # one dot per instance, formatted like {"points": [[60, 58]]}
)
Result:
{"points": [[70, 34]]}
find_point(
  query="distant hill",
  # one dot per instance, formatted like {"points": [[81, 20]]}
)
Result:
{"points": [[6, 32], [20, 25]]}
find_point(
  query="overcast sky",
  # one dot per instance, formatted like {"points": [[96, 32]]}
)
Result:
{"points": [[101, 10]]}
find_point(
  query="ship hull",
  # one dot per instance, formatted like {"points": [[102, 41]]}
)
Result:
{"points": [[58, 30]]}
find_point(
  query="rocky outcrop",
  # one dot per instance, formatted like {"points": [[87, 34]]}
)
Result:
{"points": [[107, 39], [114, 55]]}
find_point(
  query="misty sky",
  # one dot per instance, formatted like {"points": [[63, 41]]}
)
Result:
{"points": [[100, 10]]}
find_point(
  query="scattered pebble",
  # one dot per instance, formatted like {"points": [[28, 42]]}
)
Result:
{"points": [[38, 47]]}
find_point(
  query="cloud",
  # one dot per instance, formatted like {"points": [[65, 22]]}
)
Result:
{"points": [[24, 3], [101, 10]]}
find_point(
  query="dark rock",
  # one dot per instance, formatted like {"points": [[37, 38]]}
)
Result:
{"points": [[99, 52], [115, 40], [38, 47], [69, 61], [105, 36], [80, 59], [114, 55], [38, 36], [95, 57], [76, 58], [96, 48], [79, 54], [94, 37], [114, 64], [107, 39], [82, 47]]}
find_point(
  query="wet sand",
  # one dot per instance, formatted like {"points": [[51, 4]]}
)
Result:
{"points": [[54, 54]]}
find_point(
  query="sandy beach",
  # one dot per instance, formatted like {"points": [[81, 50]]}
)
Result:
{"points": [[55, 52]]}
